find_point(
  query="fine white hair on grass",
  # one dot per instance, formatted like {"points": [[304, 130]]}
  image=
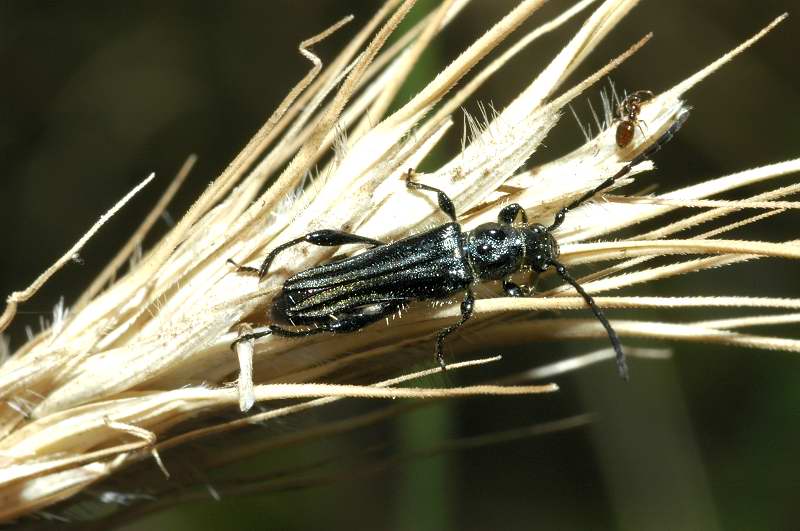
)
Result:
{"points": [[142, 363]]}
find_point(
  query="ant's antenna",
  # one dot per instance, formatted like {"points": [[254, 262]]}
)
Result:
{"points": [[622, 366], [658, 144]]}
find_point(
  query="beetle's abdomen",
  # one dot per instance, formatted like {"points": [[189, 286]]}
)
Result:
{"points": [[429, 265]]}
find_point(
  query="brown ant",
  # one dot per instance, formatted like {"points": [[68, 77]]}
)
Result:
{"points": [[628, 112]]}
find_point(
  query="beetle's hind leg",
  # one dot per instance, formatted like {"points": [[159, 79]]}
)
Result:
{"points": [[344, 323], [467, 307], [322, 238], [251, 337]]}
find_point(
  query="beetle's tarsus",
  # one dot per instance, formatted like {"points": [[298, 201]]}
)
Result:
{"points": [[445, 203], [440, 360], [241, 268], [250, 337]]}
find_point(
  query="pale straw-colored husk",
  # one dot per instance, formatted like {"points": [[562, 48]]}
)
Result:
{"points": [[139, 364]]}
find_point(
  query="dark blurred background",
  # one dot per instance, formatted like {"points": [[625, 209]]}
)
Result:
{"points": [[96, 95]]}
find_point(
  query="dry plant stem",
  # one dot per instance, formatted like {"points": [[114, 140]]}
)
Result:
{"points": [[364, 157], [276, 413], [138, 236], [299, 164], [156, 258], [565, 329], [337, 66], [33, 439], [21, 296], [608, 283], [99, 391], [705, 203], [505, 304], [339, 427], [299, 131], [580, 253], [190, 398], [759, 320], [473, 84], [231, 174], [382, 102], [287, 480]]}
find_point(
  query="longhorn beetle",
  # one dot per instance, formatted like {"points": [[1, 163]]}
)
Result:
{"points": [[348, 294]]}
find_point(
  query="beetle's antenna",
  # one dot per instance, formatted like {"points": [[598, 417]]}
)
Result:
{"points": [[622, 365], [647, 153]]}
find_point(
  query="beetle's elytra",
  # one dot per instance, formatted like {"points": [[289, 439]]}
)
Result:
{"points": [[348, 294]]}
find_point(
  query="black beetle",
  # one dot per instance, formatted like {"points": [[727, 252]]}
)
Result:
{"points": [[348, 294]]}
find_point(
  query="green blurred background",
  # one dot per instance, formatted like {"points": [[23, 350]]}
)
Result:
{"points": [[96, 95]]}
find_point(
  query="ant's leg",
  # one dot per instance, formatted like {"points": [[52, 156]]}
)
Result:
{"points": [[658, 144], [467, 307], [324, 238], [639, 125], [509, 214], [445, 203]]}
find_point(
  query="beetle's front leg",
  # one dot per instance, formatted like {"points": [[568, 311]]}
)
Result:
{"points": [[512, 289], [467, 307], [509, 214]]}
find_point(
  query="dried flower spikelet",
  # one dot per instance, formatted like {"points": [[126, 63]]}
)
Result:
{"points": [[150, 351]]}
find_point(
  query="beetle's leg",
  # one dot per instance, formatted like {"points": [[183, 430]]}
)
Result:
{"points": [[445, 203], [241, 268], [251, 337], [324, 238], [342, 324], [357, 321], [467, 307], [513, 289], [277, 330], [509, 214], [285, 332]]}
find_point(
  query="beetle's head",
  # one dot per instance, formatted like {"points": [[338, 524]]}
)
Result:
{"points": [[541, 248]]}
